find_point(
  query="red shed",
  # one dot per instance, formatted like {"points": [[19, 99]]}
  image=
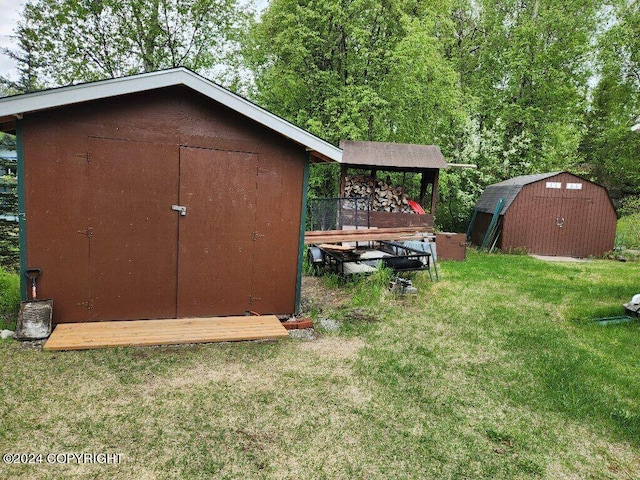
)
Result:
{"points": [[557, 214], [160, 195]]}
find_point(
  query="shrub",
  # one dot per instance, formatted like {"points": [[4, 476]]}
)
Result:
{"points": [[9, 298], [629, 205], [628, 231]]}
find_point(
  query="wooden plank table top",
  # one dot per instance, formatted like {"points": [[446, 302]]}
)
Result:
{"points": [[88, 335], [337, 248]]}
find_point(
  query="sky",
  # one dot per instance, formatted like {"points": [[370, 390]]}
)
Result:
{"points": [[8, 18]]}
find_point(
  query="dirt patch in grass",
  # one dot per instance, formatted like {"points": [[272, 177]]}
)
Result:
{"points": [[310, 355], [340, 349], [318, 297]]}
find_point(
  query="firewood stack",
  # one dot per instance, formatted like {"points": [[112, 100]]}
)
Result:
{"points": [[383, 195]]}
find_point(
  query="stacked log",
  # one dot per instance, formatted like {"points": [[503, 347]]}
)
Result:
{"points": [[383, 195]]}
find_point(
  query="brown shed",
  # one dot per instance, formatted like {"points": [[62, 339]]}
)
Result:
{"points": [[160, 195], [557, 214]]}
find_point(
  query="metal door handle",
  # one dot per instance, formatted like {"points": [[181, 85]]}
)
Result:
{"points": [[560, 221], [179, 208]]}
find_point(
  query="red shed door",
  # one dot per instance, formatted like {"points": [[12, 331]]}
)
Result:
{"points": [[277, 238], [133, 230], [542, 229], [560, 227], [575, 236], [217, 235]]}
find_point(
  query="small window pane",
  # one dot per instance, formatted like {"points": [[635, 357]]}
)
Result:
{"points": [[554, 185], [574, 186]]}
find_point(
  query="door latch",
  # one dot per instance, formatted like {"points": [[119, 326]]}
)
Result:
{"points": [[179, 208], [560, 221]]}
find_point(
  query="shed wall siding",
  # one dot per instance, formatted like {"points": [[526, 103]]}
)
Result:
{"points": [[571, 222], [480, 227], [58, 191]]}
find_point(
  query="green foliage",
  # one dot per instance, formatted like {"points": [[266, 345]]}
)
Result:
{"points": [[69, 41], [357, 70], [629, 205], [523, 63], [502, 84], [9, 239], [324, 180], [372, 290], [628, 231], [7, 142], [611, 150], [360, 70], [9, 298], [458, 190]]}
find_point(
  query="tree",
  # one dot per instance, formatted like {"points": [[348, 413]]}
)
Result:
{"points": [[383, 76], [24, 56], [67, 41], [359, 70], [611, 150], [526, 66], [524, 70], [9, 249], [7, 142]]}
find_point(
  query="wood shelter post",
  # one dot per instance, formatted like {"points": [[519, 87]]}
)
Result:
{"points": [[424, 182], [434, 192], [343, 176]]}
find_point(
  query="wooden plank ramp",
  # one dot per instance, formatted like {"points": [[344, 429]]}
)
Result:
{"points": [[126, 333]]}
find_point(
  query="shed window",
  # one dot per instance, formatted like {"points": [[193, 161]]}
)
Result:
{"points": [[554, 185], [574, 186]]}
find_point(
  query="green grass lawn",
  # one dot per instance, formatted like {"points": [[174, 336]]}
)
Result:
{"points": [[496, 372]]}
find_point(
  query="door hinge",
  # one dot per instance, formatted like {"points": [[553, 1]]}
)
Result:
{"points": [[253, 299], [255, 235], [260, 170], [88, 304], [88, 232], [86, 156]]}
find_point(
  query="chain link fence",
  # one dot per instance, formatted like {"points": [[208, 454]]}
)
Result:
{"points": [[338, 213]]}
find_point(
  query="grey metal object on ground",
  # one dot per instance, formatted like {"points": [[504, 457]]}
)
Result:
{"points": [[34, 320]]}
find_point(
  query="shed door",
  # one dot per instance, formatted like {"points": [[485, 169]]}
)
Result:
{"points": [[148, 261], [542, 229], [560, 226], [132, 231], [217, 234], [574, 235]]}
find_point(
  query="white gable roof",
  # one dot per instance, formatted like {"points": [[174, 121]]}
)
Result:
{"points": [[85, 92]]}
